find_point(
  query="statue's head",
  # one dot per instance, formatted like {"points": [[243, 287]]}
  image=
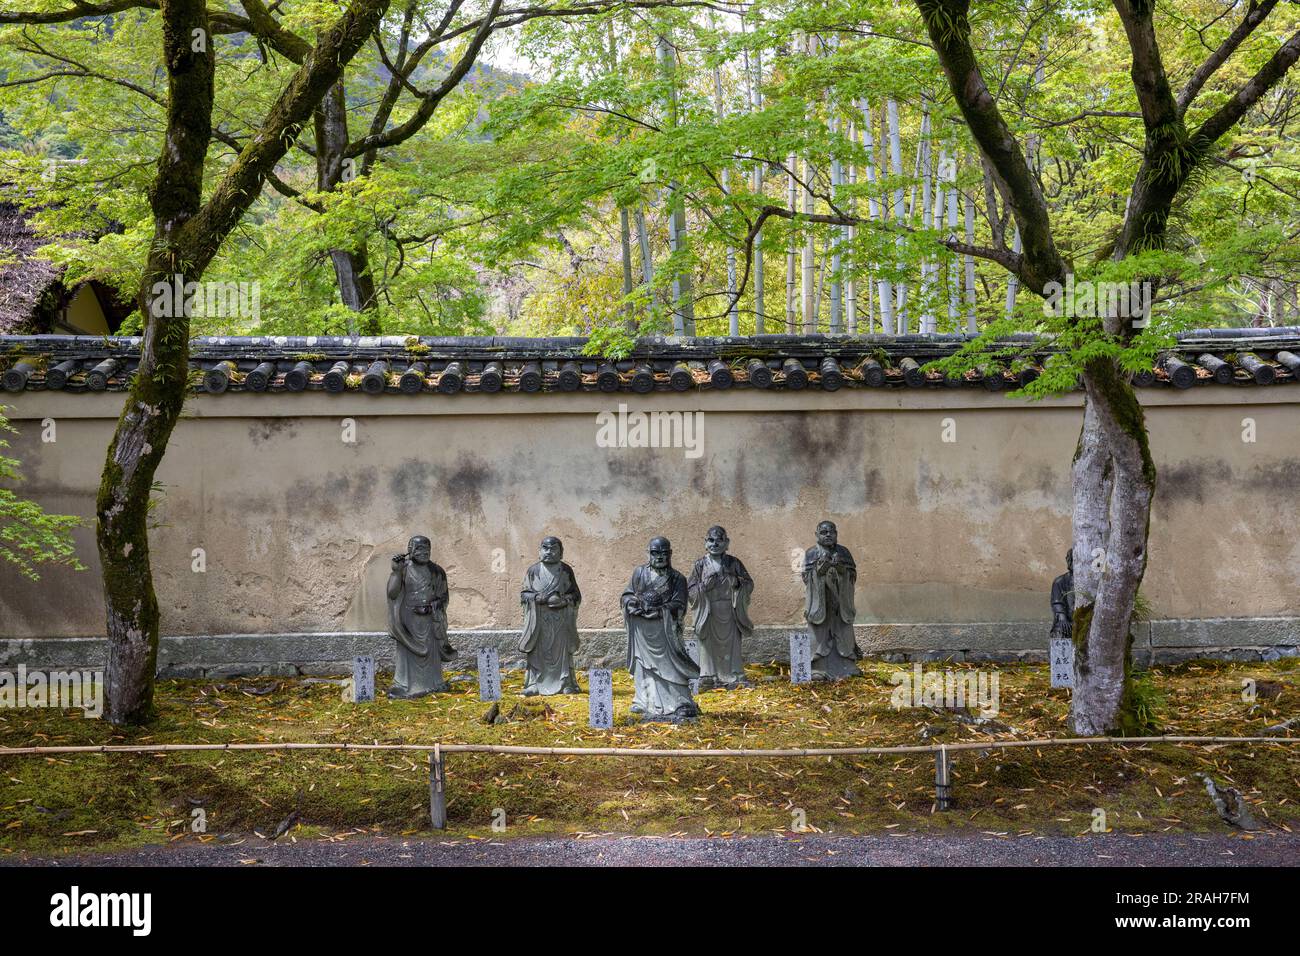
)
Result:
{"points": [[419, 548], [1069, 560], [827, 536], [552, 549], [661, 553], [716, 541]]}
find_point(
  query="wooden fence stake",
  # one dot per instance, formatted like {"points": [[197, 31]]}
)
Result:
{"points": [[942, 779], [437, 789]]}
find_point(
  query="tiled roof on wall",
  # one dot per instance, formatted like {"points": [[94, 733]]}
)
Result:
{"points": [[396, 365]]}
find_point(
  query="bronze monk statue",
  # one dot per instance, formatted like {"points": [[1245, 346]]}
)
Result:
{"points": [[653, 607], [830, 576], [1063, 600], [719, 587], [550, 598], [417, 621]]}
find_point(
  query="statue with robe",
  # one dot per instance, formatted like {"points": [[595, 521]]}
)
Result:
{"points": [[550, 598], [1063, 600], [654, 606], [830, 576], [720, 587], [417, 621]]}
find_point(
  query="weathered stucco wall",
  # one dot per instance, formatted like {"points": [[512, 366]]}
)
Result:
{"points": [[298, 526]]}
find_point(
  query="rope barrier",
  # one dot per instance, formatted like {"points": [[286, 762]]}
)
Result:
{"points": [[648, 751], [438, 751]]}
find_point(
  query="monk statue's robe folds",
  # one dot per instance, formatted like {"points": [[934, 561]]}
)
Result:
{"points": [[830, 576], [720, 587], [417, 621], [654, 605], [1063, 601], [550, 634]]}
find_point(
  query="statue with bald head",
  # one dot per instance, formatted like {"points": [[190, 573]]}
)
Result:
{"points": [[550, 599], [719, 587], [417, 621], [654, 605], [830, 577], [1063, 600]]}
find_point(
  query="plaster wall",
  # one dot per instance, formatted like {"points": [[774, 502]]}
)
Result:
{"points": [[297, 525]]}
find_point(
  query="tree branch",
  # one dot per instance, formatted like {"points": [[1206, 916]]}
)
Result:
{"points": [[429, 101], [78, 11], [1255, 15], [263, 25], [1246, 97], [948, 23], [242, 183]]}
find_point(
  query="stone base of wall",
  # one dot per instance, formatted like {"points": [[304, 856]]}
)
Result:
{"points": [[289, 655]]}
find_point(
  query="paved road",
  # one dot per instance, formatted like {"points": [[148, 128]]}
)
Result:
{"points": [[1261, 849]]}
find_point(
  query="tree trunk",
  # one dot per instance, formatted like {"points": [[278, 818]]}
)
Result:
{"points": [[152, 408], [157, 390], [187, 234], [356, 286], [1114, 483], [351, 265], [625, 245]]}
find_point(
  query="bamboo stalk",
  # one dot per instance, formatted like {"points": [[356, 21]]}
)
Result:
{"points": [[643, 241], [809, 261], [683, 304], [809, 250], [733, 300], [950, 177], [753, 98], [896, 168], [837, 236], [926, 157], [850, 234], [1013, 283], [886, 293], [624, 220], [968, 213], [792, 201]]}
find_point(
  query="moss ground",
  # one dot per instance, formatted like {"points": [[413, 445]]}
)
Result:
{"points": [[99, 802]]}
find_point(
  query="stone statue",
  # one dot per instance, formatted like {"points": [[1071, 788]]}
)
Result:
{"points": [[829, 576], [550, 598], [1063, 600], [719, 587], [653, 607], [417, 621]]}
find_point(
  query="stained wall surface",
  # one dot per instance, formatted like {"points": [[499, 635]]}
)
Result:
{"points": [[297, 525]]}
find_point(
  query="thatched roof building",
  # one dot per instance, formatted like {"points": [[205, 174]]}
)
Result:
{"points": [[34, 300]]}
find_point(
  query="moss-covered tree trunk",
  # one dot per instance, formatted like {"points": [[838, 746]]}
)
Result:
{"points": [[188, 232], [1113, 476], [152, 408], [157, 391], [1113, 483]]}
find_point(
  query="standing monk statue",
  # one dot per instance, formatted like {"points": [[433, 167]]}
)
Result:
{"points": [[829, 576], [550, 597], [1063, 600], [719, 587], [417, 621], [653, 607]]}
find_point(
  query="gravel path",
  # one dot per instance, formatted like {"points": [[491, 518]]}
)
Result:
{"points": [[1260, 849]]}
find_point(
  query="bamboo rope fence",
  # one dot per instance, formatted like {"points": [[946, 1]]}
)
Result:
{"points": [[438, 751]]}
